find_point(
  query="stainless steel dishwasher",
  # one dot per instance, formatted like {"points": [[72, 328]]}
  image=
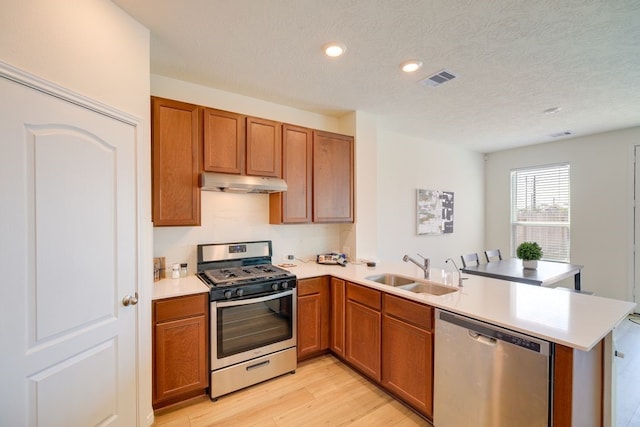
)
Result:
{"points": [[488, 376]]}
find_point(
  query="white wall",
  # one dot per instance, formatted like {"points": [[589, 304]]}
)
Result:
{"points": [[91, 47], [405, 164], [601, 203], [94, 49]]}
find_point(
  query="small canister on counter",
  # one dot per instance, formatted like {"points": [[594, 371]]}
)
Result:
{"points": [[175, 271], [183, 269]]}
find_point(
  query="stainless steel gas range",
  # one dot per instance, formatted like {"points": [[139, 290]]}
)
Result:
{"points": [[253, 314]]}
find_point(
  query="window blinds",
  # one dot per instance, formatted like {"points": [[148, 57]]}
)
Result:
{"points": [[540, 210]]}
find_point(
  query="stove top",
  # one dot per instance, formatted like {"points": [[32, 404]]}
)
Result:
{"points": [[241, 270], [235, 276]]}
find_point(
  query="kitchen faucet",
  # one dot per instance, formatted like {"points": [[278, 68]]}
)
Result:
{"points": [[424, 267], [460, 278]]}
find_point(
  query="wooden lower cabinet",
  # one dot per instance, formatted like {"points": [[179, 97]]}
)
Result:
{"points": [[180, 348], [338, 289], [407, 352], [578, 386], [313, 317], [363, 329]]}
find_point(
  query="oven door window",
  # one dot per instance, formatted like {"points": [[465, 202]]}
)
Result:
{"points": [[248, 325]]}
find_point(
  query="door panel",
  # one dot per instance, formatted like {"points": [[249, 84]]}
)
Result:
{"points": [[59, 156], [85, 377], [68, 224]]}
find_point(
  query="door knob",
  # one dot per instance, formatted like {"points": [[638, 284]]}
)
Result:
{"points": [[130, 300]]}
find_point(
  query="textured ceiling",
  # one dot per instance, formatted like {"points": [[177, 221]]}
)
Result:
{"points": [[514, 59]]}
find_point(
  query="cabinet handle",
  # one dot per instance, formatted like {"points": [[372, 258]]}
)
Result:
{"points": [[130, 300]]}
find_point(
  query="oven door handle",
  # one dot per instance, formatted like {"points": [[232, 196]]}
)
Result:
{"points": [[254, 300]]}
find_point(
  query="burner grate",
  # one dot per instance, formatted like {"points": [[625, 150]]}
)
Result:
{"points": [[247, 274]]}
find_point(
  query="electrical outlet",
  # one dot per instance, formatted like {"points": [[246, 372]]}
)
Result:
{"points": [[290, 257]]}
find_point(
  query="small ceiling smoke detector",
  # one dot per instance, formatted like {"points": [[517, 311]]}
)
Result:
{"points": [[439, 78], [561, 134], [411, 65], [334, 49]]}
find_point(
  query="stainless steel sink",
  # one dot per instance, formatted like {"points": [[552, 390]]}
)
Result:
{"points": [[391, 279], [427, 288], [413, 285]]}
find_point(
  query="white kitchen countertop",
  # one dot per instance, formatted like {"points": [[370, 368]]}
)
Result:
{"points": [[168, 288], [575, 320]]}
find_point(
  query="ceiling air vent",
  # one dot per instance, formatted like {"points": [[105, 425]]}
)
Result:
{"points": [[559, 134], [438, 78]]}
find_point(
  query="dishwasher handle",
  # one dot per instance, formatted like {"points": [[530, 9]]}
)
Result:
{"points": [[495, 333], [482, 338]]}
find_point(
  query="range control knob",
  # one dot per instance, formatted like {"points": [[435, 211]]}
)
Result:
{"points": [[285, 285], [274, 286], [227, 294], [240, 292]]}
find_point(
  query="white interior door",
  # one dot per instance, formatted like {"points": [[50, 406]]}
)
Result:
{"points": [[68, 251]]}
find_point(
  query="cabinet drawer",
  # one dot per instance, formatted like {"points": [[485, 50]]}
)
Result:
{"points": [[180, 307], [310, 286], [411, 312], [365, 296]]}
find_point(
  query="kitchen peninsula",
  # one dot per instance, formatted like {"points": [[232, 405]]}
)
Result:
{"points": [[579, 324], [574, 320]]}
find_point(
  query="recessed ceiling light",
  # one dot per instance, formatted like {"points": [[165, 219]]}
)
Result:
{"points": [[554, 110], [411, 65], [334, 49]]}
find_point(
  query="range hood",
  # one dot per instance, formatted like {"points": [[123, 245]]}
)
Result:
{"points": [[240, 183]]}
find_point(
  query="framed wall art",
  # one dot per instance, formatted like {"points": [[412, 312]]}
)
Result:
{"points": [[434, 212]]}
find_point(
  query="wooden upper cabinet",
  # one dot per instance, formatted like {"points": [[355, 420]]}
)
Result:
{"points": [[264, 148], [175, 155], [224, 141], [241, 145], [333, 161], [294, 205]]}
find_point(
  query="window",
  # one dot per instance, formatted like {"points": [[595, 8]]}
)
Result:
{"points": [[540, 209]]}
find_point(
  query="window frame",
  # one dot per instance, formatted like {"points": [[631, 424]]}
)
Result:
{"points": [[513, 214]]}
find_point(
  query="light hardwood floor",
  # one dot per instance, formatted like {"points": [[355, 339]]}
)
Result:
{"points": [[322, 392]]}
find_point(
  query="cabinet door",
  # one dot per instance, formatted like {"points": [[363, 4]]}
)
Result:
{"points": [[264, 148], [175, 152], [332, 177], [363, 337], [337, 316], [294, 205], [181, 361], [224, 141], [180, 348], [407, 363], [313, 317]]}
